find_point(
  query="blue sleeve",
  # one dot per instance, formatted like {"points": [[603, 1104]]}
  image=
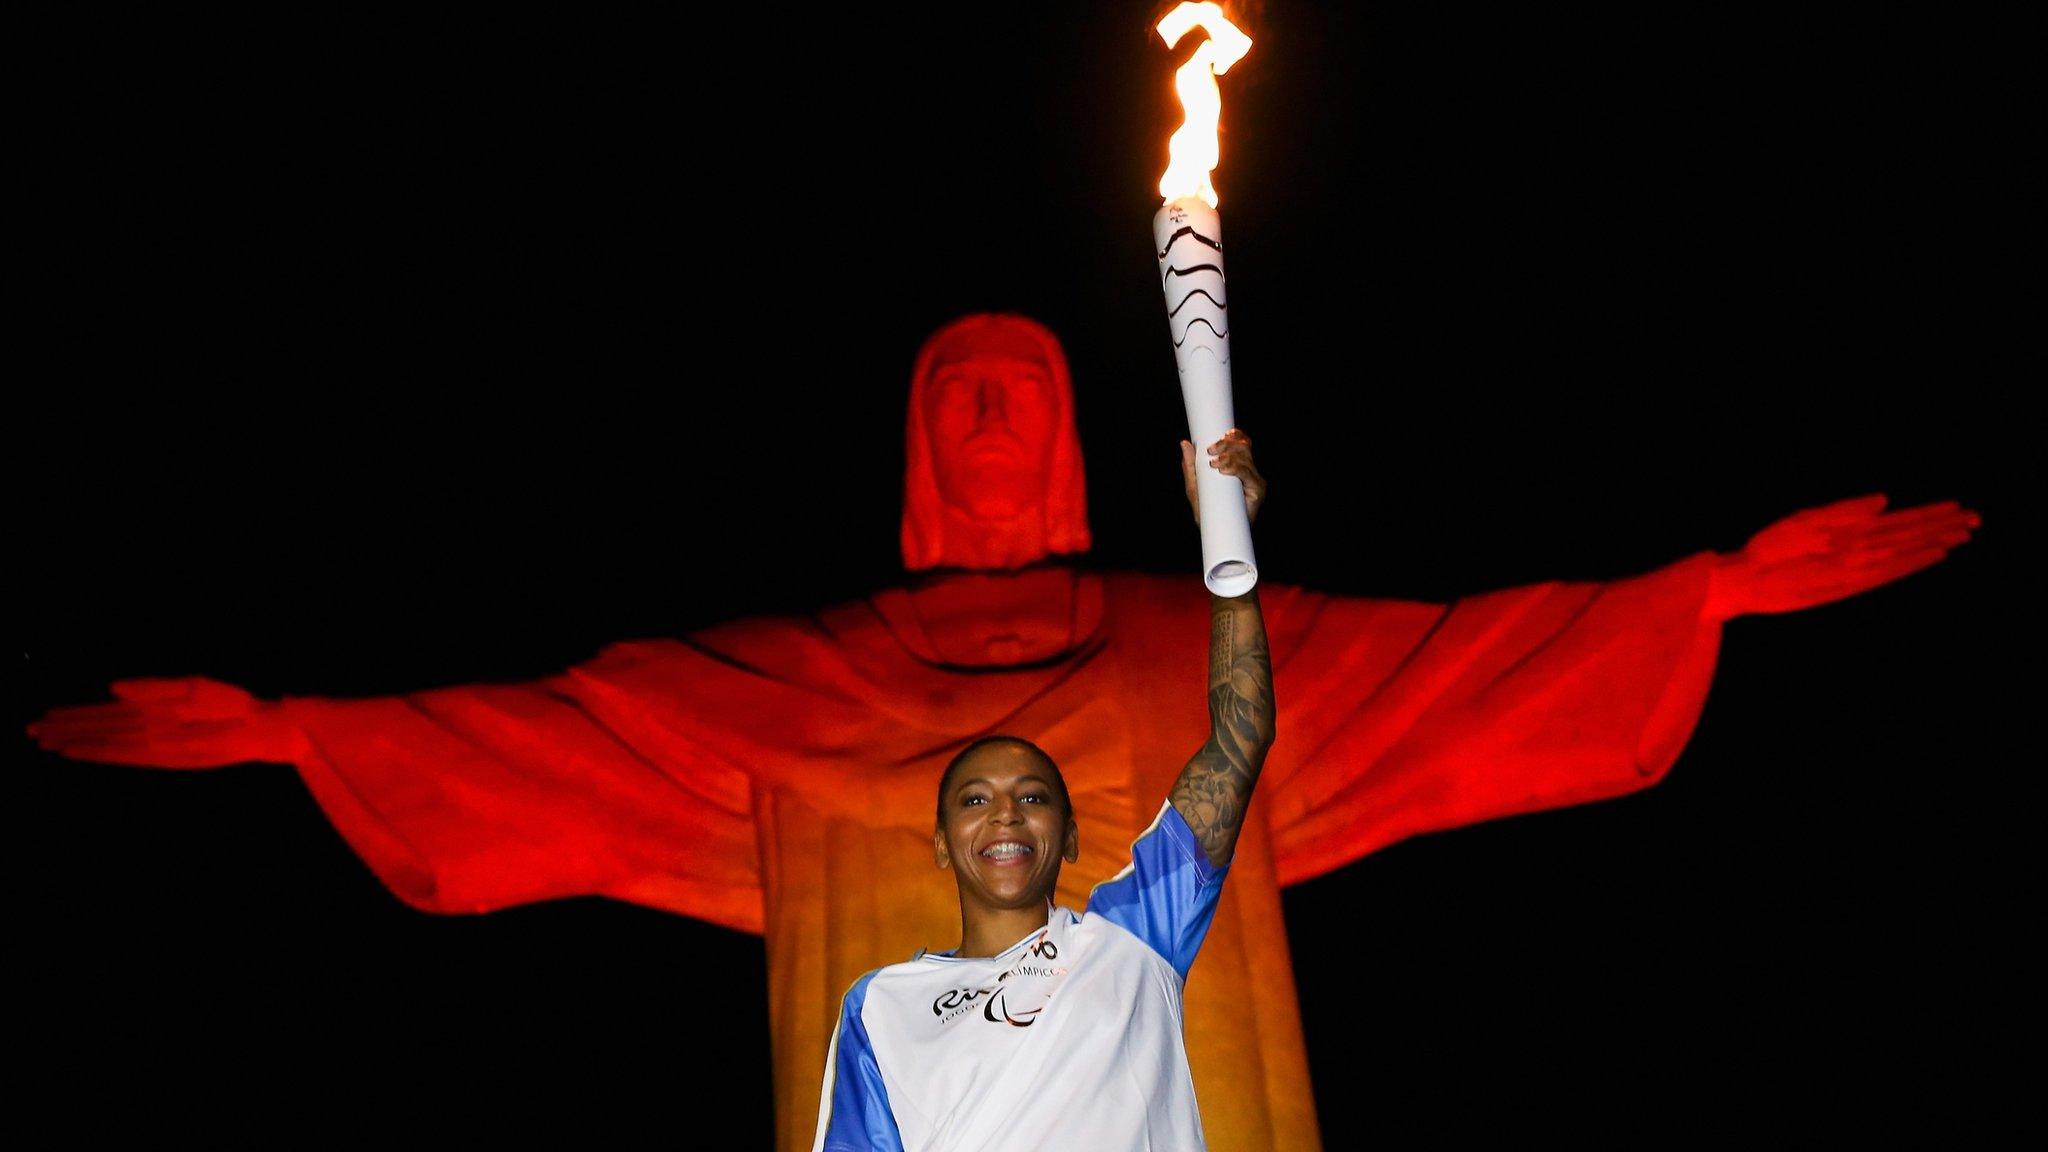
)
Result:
{"points": [[1167, 895], [854, 1114]]}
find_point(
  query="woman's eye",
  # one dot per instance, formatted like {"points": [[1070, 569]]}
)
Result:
{"points": [[973, 800], [1035, 799]]}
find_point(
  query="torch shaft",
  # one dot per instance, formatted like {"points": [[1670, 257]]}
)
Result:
{"points": [[1188, 235]]}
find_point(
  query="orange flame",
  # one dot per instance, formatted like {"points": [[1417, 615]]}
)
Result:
{"points": [[1192, 150]]}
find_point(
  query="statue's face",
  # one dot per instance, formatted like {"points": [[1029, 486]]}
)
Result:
{"points": [[991, 423]]}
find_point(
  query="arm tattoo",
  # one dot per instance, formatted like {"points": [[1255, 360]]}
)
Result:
{"points": [[1215, 787]]}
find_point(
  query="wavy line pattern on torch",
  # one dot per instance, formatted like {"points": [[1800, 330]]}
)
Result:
{"points": [[1203, 292], [1174, 270], [1204, 322], [1188, 230]]}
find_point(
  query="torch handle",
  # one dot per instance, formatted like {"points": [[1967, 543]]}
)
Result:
{"points": [[1229, 567]]}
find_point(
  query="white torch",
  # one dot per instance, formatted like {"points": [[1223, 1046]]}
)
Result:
{"points": [[1187, 233]]}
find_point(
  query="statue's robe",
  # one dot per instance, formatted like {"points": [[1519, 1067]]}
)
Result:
{"points": [[777, 775]]}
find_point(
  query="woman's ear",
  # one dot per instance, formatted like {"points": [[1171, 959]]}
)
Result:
{"points": [[1071, 851], [940, 856]]}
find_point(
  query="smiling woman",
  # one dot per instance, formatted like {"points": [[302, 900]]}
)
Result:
{"points": [[912, 1065]]}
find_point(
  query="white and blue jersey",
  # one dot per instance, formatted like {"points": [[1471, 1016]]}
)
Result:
{"points": [[1069, 1039]]}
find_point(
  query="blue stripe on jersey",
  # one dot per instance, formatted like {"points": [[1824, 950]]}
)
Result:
{"points": [[1167, 895], [861, 1120]]}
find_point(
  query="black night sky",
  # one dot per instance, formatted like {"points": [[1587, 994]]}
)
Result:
{"points": [[391, 357]]}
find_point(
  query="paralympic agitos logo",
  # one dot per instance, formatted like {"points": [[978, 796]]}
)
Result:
{"points": [[954, 1002]]}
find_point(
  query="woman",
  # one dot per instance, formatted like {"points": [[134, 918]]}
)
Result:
{"points": [[1045, 1028]]}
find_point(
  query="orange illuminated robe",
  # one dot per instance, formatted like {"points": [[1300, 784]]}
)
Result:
{"points": [[777, 775]]}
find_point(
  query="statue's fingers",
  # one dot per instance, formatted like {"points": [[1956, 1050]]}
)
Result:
{"points": [[1837, 515], [131, 727], [1945, 512], [150, 689], [86, 717], [106, 747], [63, 739], [139, 745], [1882, 557], [1895, 567], [149, 754], [99, 752], [1952, 505], [1913, 537], [1930, 506]]}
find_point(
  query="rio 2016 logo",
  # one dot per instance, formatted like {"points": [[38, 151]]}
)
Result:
{"points": [[997, 1010]]}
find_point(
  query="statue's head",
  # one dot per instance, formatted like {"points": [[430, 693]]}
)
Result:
{"points": [[993, 465]]}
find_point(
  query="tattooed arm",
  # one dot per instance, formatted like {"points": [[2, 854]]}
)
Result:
{"points": [[1215, 787]]}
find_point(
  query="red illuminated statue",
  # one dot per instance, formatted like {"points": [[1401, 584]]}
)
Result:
{"points": [[698, 775]]}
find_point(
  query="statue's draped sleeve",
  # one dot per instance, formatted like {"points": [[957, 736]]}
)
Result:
{"points": [[636, 774], [629, 776], [1399, 718]]}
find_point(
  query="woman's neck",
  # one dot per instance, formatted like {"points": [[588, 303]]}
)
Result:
{"points": [[986, 932]]}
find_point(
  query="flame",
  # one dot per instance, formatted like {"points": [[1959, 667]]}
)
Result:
{"points": [[1192, 150]]}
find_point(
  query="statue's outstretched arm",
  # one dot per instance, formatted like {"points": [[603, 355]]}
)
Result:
{"points": [[477, 797], [1405, 718]]}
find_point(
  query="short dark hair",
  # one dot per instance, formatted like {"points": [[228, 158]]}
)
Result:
{"points": [[1059, 782]]}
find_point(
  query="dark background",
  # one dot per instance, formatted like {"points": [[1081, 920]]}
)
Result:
{"points": [[389, 357]]}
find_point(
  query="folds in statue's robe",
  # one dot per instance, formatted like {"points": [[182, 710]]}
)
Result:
{"points": [[778, 775]]}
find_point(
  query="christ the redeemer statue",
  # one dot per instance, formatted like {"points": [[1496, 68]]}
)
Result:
{"points": [[773, 774]]}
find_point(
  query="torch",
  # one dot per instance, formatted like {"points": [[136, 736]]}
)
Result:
{"points": [[1187, 232]]}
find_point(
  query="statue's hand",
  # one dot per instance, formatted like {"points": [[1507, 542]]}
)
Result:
{"points": [[1837, 550], [1232, 456], [186, 722]]}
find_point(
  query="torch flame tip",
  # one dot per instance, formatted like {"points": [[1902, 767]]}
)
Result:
{"points": [[1193, 148]]}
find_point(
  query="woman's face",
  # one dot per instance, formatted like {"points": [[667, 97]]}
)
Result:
{"points": [[991, 423], [1003, 830]]}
